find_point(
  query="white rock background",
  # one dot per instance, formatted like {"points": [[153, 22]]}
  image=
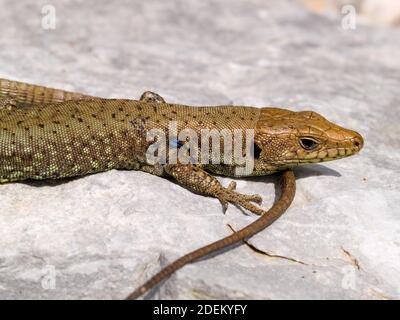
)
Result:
{"points": [[100, 236]]}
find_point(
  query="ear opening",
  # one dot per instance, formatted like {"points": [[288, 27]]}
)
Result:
{"points": [[256, 151]]}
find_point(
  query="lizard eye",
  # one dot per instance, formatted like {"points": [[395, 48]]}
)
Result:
{"points": [[309, 143]]}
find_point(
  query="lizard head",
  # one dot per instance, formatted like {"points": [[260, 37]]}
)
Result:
{"points": [[285, 138]]}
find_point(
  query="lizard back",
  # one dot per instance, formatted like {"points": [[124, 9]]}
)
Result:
{"points": [[86, 136]]}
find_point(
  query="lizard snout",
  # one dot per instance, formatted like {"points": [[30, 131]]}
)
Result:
{"points": [[358, 141]]}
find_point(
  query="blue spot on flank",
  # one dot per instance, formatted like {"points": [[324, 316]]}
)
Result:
{"points": [[175, 143]]}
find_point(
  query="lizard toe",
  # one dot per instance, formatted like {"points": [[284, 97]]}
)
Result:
{"points": [[244, 200], [231, 186]]}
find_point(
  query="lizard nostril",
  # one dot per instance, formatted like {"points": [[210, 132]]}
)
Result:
{"points": [[358, 141]]}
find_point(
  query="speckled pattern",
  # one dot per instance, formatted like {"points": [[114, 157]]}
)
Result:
{"points": [[42, 140]]}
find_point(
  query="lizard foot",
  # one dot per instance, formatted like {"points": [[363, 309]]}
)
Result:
{"points": [[196, 179], [229, 195], [253, 197]]}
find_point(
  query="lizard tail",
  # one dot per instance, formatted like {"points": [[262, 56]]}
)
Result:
{"points": [[288, 183], [27, 94]]}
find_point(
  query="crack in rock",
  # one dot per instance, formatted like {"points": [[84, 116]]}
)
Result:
{"points": [[255, 249], [353, 259]]}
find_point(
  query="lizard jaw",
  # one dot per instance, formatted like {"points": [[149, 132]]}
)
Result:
{"points": [[336, 150]]}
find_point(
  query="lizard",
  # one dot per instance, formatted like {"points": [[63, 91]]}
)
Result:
{"points": [[50, 133]]}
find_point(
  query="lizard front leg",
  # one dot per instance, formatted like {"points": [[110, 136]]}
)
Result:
{"points": [[196, 179]]}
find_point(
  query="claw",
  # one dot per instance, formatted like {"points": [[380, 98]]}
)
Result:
{"points": [[230, 196], [244, 200], [224, 204], [256, 198], [252, 197]]}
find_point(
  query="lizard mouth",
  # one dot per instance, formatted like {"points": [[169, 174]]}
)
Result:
{"points": [[322, 155], [349, 147]]}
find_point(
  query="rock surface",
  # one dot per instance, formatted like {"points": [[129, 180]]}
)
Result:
{"points": [[100, 236]]}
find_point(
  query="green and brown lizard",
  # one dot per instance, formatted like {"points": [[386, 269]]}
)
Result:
{"points": [[50, 134]]}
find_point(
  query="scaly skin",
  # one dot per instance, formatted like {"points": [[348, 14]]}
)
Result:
{"points": [[48, 134], [25, 94], [71, 138]]}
